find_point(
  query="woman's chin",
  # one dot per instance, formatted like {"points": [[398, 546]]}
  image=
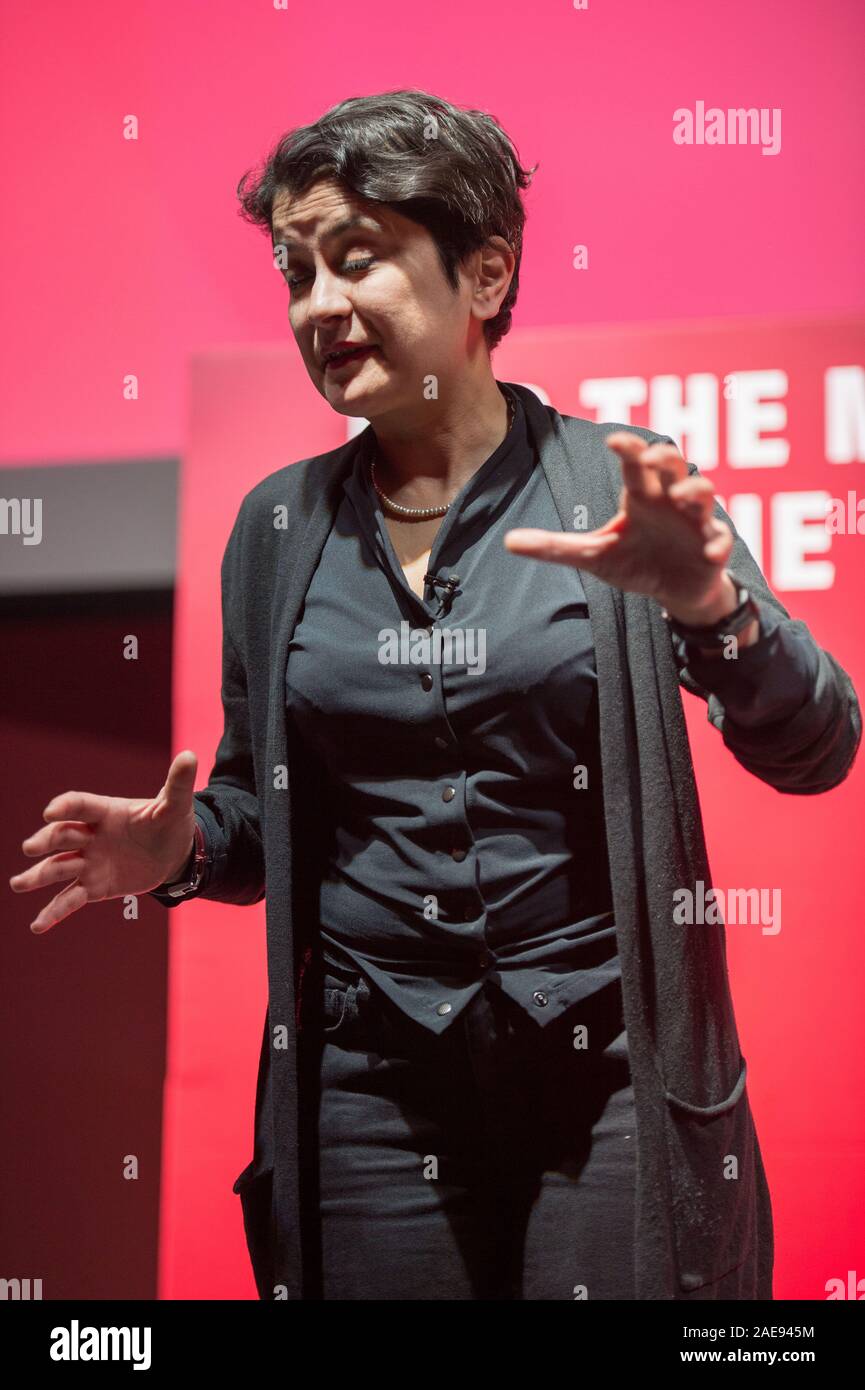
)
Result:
{"points": [[349, 397]]}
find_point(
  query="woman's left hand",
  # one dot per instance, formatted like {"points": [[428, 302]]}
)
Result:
{"points": [[663, 541]]}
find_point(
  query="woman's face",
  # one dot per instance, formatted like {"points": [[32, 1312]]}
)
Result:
{"points": [[377, 282]]}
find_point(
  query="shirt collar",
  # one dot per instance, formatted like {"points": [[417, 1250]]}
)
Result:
{"points": [[488, 491]]}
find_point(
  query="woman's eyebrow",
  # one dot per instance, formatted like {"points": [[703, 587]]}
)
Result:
{"points": [[345, 224]]}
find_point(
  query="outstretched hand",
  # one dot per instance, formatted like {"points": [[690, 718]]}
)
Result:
{"points": [[109, 846], [663, 541]]}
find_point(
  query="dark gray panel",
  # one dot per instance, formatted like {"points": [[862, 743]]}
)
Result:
{"points": [[102, 526]]}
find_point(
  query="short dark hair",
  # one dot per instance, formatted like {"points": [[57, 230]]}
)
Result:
{"points": [[462, 183]]}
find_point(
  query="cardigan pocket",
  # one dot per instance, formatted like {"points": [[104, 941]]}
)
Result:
{"points": [[256, 1201], [712, 1153]]}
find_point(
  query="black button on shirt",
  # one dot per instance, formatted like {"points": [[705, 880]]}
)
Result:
{"points": [[463, 780]]}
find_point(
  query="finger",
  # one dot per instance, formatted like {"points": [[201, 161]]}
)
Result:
{"points": [[666, 462], [85, 806], [176, 793], [558, 546], [694, 496], [57, 835], [54, 870], [625, 443], [639, 481], [693, 485], [648, 470], [60, 907], [719, 542]]}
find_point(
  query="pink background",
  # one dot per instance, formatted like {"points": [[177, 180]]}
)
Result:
{"points": [[128, 256]]}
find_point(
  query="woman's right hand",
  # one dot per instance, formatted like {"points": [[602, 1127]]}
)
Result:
{"points": [[110, 846]]}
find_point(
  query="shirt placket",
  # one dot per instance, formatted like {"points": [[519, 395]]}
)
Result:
{"points": [[447, 810]]}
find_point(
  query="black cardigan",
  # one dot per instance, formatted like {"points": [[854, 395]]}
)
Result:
{"points": [[698, 1233]]}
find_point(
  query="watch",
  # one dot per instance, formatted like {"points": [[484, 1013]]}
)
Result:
{"points": [[716, 634], [198, 860]]}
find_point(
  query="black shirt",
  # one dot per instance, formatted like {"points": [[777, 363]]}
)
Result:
{"points": [[464, 792]]}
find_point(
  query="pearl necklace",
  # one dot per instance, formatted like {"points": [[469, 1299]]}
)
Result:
{"points": [[419, 513]]}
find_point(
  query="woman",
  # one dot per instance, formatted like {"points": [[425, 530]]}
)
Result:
{"points": [[495, 1062]]}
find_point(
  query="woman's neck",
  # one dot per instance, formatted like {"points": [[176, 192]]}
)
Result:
{"points": [[428, 465]]}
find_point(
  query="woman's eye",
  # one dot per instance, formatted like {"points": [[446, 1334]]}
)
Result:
{"points": [[348, 266], [358, 265]]}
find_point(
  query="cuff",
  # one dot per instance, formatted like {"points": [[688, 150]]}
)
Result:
{"points": [[769, 680], [160, 891]]}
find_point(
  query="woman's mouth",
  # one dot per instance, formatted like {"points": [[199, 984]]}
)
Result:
{"points": [[346, 359]]}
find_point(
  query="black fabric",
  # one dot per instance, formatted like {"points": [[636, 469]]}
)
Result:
{"points": [[504, 722], [500, 724], [686, 1061], [495, 1162]]}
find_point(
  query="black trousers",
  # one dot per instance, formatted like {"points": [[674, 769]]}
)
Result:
{"points": [[495, 1161]]}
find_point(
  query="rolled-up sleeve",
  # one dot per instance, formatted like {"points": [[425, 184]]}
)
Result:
{"points": [[784, 706]]}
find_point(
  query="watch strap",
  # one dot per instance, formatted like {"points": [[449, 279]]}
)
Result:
{"points": [[716, 634], [194, 871]]}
